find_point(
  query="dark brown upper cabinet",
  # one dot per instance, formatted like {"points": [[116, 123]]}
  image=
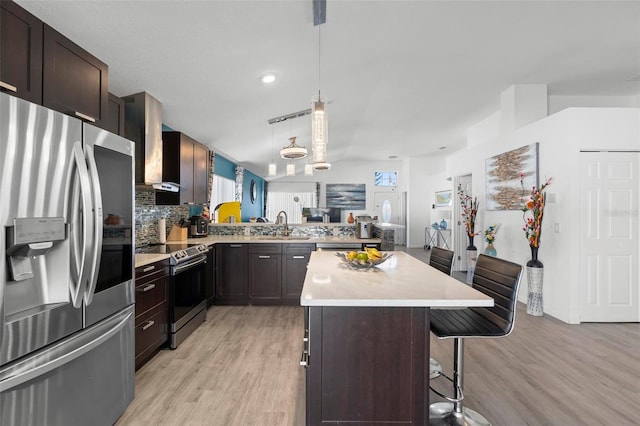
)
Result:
{"points": [[74, 81], [115, 115], [183, 162], [20, 52]]}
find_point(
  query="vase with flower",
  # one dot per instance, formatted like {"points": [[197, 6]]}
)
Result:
{"points": [[490, 237], [469, 210], [532, 212]]}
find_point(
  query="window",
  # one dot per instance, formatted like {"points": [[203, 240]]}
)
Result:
{"points": [[222, 190], [290, 202], [386, 179]]}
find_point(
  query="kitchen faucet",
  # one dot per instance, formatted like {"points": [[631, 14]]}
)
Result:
{"points": [[286, 231]]}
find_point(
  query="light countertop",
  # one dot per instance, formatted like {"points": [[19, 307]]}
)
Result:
{"points": [[401, 281], [388, 226], [142, 259], [213, 239]]}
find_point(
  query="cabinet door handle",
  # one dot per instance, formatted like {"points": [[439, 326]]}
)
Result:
{"points": [[9, 87], [264, 257], [298, 257], [235, 245], [149, 268], [146, 288], [84, 116], [148, 324], [304, 359]]}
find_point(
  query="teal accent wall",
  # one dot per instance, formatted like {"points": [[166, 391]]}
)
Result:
{"points": [[225, 168], [249, 209]]}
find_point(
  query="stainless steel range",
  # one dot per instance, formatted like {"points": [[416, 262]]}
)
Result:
{"points": [[187, 294]]}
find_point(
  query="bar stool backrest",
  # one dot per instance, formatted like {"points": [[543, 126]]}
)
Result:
{"points": [[499, 279], [441, 259]]}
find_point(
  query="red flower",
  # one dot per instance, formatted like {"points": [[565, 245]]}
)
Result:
{"points": [[533, 211]]}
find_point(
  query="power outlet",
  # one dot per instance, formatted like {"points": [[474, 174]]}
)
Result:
{"points": [[247, 231]]}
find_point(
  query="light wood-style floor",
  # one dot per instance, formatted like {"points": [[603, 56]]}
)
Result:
{"points": [[241, 368]]}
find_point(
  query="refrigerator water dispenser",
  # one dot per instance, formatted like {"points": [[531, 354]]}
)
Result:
{"points": [[31, 237]]}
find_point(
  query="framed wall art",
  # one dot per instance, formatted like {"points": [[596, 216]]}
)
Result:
{"points": [[346, 196], [504, 191], [443, 198]]}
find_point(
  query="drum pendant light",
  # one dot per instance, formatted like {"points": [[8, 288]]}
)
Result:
{"points": [[293, 151]]}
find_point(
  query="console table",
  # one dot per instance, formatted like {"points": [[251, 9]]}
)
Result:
{"points": [[437, 237]]}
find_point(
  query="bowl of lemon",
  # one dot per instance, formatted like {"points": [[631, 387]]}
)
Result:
{"points": [[368, 258]]}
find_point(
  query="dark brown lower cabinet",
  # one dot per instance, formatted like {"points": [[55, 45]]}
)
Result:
{"points": [[295, 258], [367, 365], [264, 274], [232, 286], [152, 317]]}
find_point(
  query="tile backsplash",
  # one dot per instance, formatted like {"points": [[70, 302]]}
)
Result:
{"points": [[148, 214]]}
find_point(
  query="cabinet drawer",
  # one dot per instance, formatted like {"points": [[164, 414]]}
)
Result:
{"points": [[150, 272], [151, 333], [295, 247], [265, 248], [150, 294]]}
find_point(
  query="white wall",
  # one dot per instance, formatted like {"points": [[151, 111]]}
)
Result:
{"points": [[561, 137], [558, 103]]}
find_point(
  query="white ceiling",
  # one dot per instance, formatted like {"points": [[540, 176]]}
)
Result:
{"points": [[403, 77]]}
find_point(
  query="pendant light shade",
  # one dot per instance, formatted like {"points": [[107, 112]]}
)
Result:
{"points": [[272, 169], [293, 151], [291, 169], [319, 124], [322, 166], [308, 170]]}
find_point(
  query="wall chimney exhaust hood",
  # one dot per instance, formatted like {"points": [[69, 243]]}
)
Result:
{"points": [[143, 125]]}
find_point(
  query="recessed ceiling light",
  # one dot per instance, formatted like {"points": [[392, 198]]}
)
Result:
{"points": [[442, 147], [269, 78], [393, 157]]}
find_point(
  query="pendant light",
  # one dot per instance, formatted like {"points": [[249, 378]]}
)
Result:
{"points": [[291, 169], [272, 168], [308, 169], [319, 125], [293, 151]]}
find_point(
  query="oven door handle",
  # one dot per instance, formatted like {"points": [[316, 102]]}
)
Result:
{"points": [[179, 268]]}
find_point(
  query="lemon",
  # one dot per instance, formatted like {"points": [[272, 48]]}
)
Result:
{"points": [[352, 255]]}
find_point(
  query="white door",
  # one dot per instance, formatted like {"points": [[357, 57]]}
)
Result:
{"points": [[460, 239], [396, 217], [609, 249]]}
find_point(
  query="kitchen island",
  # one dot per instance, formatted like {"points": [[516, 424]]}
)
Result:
{"points": [[366, 343]]}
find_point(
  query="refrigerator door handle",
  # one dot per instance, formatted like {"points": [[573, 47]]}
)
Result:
{"points": [[97, 226], [81, 252], [29, 371]]}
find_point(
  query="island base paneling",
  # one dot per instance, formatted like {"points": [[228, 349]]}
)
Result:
{"points": [[367, 365]]}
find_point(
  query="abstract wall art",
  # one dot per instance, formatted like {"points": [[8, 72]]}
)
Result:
{"points": [[504, 191], [346, 196]]}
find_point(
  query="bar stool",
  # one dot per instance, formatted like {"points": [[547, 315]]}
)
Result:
{"points": [[442, 260], [500, 280]]}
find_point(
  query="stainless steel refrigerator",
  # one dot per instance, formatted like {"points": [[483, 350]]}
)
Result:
{"points": [[66, 269]]}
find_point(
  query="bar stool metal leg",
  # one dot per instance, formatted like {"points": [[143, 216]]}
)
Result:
{"points": [[435, 369], [453, 413]]}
